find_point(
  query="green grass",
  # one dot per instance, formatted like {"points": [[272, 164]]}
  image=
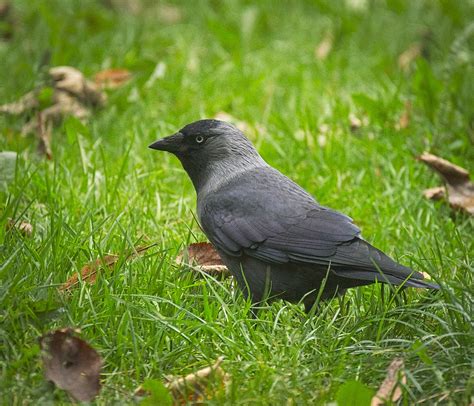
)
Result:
{"points": [[105, 192]]}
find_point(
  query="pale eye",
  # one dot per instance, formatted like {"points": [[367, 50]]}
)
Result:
{"points": [[199, 139]]}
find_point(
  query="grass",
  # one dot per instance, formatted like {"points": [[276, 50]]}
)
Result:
{"points": [[105, 192]]}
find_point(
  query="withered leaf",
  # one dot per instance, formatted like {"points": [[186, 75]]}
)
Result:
{"points": [[435, 193], [44, 135], [133, 7], [89, 271], [23, 227], [72, 95], [390, 390], [195, 386], [355, 123], [72, 81], [71, 364], [323, 49], [459, 188], [204, 256], [404, 120], [409, 55], [170, 14], [5, 8], [112, 78], [25, 103]]}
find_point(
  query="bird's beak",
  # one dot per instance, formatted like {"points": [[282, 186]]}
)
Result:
{"points": [[170, 144]]}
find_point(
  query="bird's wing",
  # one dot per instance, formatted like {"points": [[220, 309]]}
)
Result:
{"points": [[276, 221], [269, 217]]}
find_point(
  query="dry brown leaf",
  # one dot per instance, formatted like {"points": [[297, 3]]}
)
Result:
{"points": [[435, 193], [170, 14], [72, 81], [409, 55], [459, 188], [89, 271], [390, 390], [323, 49], [404, 120], [44, 135], [204, 256], [5, 8], [354, 122], [112, 78], [25, 103], [72, 364], [72, 95], [194, 387], [133, 7], [23, 227]]}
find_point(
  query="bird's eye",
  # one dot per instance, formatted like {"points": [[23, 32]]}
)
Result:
{"points": [[199, 139]]}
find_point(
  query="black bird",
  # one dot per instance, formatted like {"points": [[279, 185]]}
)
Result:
{"points": [[275, 238]]}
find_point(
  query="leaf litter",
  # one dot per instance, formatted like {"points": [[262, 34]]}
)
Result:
{"points": [[67, 92], [390, 390], [324, 48], [202, 256], [90, 271], [195, 387], [23, 227], [112, 78], [458, 190], [71, 364]]}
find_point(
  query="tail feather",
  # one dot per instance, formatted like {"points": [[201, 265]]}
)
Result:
{"points": [[415, 281], [373, 265]]}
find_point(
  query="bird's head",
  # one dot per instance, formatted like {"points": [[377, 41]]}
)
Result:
{"points": [[210, 150]]}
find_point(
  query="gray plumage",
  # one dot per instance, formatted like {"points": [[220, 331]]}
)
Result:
{"points": [[273, 236]]}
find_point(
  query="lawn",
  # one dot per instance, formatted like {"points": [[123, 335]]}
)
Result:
{"points": [[328, 118]]}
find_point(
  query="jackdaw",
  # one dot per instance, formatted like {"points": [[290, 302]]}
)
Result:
{"points": [[275, 238]]}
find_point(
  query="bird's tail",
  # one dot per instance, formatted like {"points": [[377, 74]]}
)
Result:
{"points": [[414, 280], [378, 267]]}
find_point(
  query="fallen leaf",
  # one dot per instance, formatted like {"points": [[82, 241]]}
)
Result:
{"points": [[459, 188], [409, 55], [71, 81], [71, 364], [25, 103], [404, 120], [323, 49], [23, 227], [44, 135], [5, 8], [133, 7], [203, 256], [194, 387], [170, 14], [89, 271], [354, 122], [241, 125], [112, 78], [390, 390], [71, 94], [435, 193]]}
